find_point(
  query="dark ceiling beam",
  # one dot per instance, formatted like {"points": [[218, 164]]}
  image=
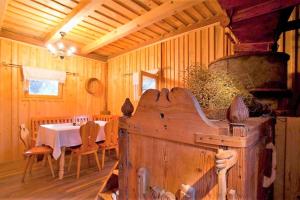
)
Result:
{"points": [[262, 9], [291, 25], [231, 4]]}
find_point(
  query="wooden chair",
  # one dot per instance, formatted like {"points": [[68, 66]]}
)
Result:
{"points": [[88, 132], [111, 138], [31, 152]]}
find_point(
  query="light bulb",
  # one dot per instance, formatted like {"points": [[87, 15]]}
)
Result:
{"points": [[73, 49], [69, 53], [60, 45]]}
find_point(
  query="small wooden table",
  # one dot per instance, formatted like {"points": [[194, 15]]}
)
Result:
{"points": [[60, 136]]}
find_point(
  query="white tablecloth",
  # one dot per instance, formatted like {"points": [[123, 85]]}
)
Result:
{"points": [[63, 135]]}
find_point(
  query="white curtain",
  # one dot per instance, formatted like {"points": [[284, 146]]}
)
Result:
{"points": [[35, 73]]}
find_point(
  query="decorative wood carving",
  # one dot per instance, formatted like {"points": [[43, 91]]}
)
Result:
{"points": [[225, 159], [238, 112], [127, 108], [186, 192]]}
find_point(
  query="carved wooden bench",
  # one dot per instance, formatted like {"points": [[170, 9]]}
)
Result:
{"points": [[169, 149]]}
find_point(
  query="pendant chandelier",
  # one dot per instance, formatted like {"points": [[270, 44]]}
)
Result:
{"points": [[60, 49]]}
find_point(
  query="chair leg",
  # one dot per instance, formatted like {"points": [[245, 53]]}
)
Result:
{"points": [[78, 166], [97, 161], [117, 152], [50, 164], [26, 167], [32, 160], [103, 158], [44, 160], [70, 162]]}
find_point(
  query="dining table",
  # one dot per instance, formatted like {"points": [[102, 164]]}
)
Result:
{"points": [[60, 136]]}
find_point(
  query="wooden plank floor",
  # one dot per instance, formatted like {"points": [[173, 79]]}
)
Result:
{"points": [[41, 185]]}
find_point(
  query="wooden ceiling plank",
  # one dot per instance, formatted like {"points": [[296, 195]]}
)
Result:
{"points": [[42, 8], [139, 36], [68, 3], [117, 16], [134, 39], [17, 28], [195, 13], [55, 6], [29, 21], [129, 41], [142, 35], [3, 8], [163, 26], [200, 11], [172, 21], [82, 10], [105, 19], [93, 27], [34, 11], [22, 38], [26, 23], [156, 29], [152, 31], [121, 44], [204, 23], [87, 30], [31, 16], [165, 10], [132, 6], [90, 36], [122, 9], [204, 9], [182, 19], [146, 4], [189, 17], [103, 26], [261, 9]]}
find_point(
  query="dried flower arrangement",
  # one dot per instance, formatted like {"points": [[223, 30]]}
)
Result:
{"points": [[214, 90]]}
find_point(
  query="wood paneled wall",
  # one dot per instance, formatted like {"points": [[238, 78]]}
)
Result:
{"points": [[173, 57], [15, 109]]}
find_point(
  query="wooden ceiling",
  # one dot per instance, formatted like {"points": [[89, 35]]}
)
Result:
{"points": [[105, 28]]}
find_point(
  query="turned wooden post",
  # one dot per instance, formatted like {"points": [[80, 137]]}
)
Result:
{"points": [[127, 110]]}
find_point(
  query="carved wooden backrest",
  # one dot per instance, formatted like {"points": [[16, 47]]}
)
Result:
{"points": [[88, 133], [177, 109], [25, 136], [111, 132]]}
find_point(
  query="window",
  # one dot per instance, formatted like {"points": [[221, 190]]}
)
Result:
{"points": [[43, 87], [148, 81]]}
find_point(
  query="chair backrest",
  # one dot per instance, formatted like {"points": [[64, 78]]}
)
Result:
{"points": [[88, 133], [81, 118], [111, 132], [37, 121], [25, 136]]}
